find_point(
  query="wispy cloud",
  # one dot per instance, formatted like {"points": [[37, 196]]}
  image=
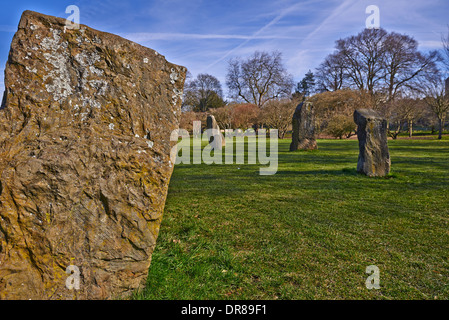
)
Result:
{"points": [[317, 42], [431, 44], [149, 36], [6, 28], [201, 35], [256, 34]]}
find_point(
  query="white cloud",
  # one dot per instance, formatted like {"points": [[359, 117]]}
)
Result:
{"points": [[431, 44], [202, 35], [265, 28], [6, 28], [149, 36]]}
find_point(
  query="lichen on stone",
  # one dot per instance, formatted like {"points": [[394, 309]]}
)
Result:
{"points": [[90, 105]]}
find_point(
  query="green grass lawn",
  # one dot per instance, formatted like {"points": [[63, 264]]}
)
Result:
{"points": [[310, 230]]}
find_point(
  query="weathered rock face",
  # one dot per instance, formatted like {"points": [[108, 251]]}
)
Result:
{"points": [[374, 157], [217, 141], [85, 163], [303, 123]]}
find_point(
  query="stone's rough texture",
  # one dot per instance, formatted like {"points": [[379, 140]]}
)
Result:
{"points": [[85, 163], [303, 124], [217, 141], [374, 157]]}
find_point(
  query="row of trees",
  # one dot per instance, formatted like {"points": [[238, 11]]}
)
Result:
{"points": [[379, 62], [274, 114], [400, 81], [375, 69], [256, 80]]}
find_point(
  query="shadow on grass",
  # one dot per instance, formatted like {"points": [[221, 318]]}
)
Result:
{"points": [[345, 171], [342, 172]]}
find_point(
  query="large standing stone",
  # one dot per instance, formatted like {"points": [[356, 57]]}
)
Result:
{"points": [[303, 125], [374, 157], [85, 129], [216, 139]]}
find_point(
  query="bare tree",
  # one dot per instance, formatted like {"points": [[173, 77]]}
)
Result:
{"points": [[445, 41], [437, 98], [331, 74], [278, 114], [363, 56], [381, 63], [406, 111], [203, 92], [384, 66], [405, 67], [260, 78]]}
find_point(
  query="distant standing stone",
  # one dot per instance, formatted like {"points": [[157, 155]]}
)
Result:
{"points": [[216, 140], [374, 157], [303, 123]]}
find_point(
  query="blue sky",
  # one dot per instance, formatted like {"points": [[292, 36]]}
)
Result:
{"points": [[203, 35]]}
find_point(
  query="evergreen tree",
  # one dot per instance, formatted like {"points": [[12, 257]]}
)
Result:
{"points": [[306, 86]]}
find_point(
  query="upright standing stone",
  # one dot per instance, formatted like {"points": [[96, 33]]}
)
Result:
{"points": [[374, 157], [85, 129], [303, 125], [216, 139]]}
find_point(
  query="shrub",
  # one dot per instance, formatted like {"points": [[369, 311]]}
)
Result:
{"points": [[340, 126], [188, 117], [237, 116], [278, 114]]}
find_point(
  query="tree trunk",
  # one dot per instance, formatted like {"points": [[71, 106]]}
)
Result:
{"points": [[410, 128], [440, 127]]}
